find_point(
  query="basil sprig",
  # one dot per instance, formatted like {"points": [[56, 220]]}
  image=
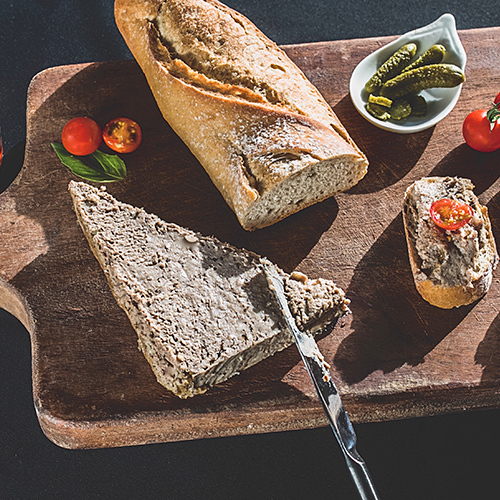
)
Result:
{"points": [[96, 167]]}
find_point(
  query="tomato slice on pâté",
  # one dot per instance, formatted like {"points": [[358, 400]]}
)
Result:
{"points": [[450, 214]]}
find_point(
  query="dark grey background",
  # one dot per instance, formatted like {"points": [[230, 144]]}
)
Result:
{"points": [[446, 457]]}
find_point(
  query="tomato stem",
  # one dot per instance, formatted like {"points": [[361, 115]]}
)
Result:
{"points": [[493, 114]]}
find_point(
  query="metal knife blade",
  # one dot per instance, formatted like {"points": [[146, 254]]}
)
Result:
{"points": [[318, 370]]}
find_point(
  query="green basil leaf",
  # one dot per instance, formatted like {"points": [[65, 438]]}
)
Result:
{"points": [[96, 167]]}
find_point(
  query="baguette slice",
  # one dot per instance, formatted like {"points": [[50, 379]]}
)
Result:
{"points": [[450, 268], [264, 134], [202, 309]]}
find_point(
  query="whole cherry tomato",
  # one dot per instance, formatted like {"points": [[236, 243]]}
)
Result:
{"points": [[122, 135], [497, 98], [481, 129], [81, 136], [450, 214]]}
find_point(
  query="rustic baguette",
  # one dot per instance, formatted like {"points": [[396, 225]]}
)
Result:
{"points": [[266, 137], [450, 268], [202, 309]]}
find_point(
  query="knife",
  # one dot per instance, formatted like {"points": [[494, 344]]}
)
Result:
{"points": [[325, 387]]}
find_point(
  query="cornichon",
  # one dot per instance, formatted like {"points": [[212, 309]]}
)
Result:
{"points": [[418, 105], [392, 67], [381, 101], [425, 77], [433, 55], [378, 111], [400, 109]]}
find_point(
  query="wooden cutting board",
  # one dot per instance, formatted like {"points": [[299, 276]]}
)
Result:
{"points": [[394, 357]]}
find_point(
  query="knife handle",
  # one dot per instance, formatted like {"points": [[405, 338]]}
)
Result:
{"points": [[362, 478], [326, 390]]}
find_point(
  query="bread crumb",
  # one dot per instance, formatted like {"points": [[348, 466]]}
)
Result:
{"points": [[297, 276]]}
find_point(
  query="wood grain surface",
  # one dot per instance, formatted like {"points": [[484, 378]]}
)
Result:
{"points": [[394, 357]]}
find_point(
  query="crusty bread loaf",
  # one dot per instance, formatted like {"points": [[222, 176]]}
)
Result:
{"points": [[202, 309], [450, 268], [264, 134]]}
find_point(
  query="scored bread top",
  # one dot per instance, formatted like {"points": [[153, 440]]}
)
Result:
{"points": [[218, 49]]}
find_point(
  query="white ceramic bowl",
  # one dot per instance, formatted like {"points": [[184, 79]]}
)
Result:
{"points": [[439, 101]]}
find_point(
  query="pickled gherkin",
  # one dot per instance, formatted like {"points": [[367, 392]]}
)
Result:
{"points": [[391, 68], [394, 90], [433, 55], [378, 111], [425, 77], [381, 101], [400, 109], [418, 105]]}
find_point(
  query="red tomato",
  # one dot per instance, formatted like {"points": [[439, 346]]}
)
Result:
{"points": [[81, 136], [497, 98], [450, 214], [481, 129], [122, 135]]}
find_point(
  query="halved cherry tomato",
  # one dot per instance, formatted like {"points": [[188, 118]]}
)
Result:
{"points": [[81, 136], [450, 214], [122, 135], [481, 129]]}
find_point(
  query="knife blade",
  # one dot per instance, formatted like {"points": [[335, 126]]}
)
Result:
{"points": [[327, 392]]}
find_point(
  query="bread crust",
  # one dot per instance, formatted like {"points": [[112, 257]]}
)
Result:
{"points": [[444, 276], [264, 134]]}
